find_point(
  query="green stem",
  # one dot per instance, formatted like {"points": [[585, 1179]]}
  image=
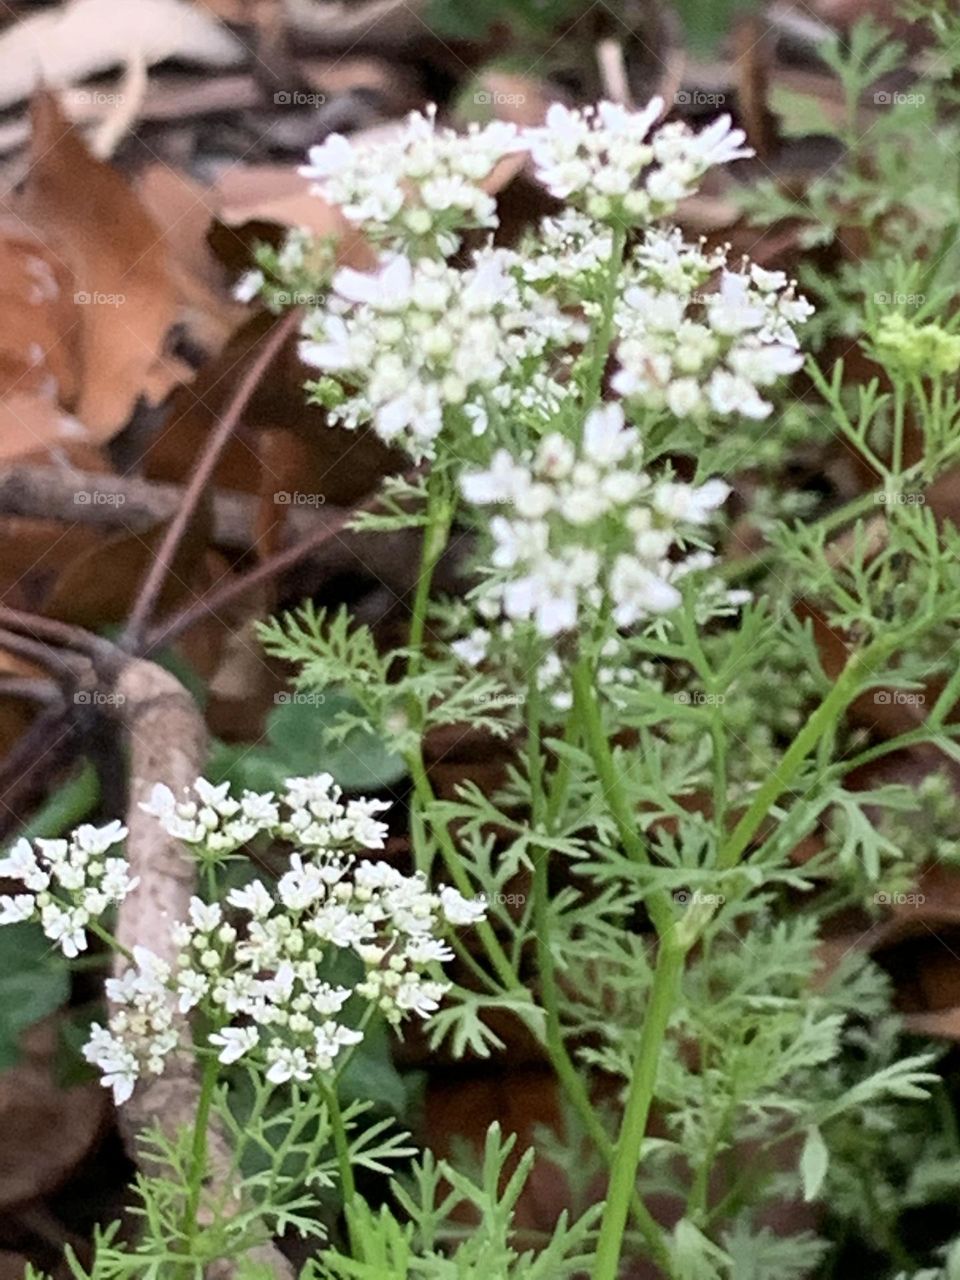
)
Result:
{"points": [[544, 813], [899, 403], [198, 1157], [623, 1176], [341, 1144], [747, 567], [598, 744], [423, 793], [438, 519], [819, 723], [603, 334]]}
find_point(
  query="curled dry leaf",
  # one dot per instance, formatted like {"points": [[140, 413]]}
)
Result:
{"points": [[91, 36], [39, 358], [124, 299], [183, 211]]}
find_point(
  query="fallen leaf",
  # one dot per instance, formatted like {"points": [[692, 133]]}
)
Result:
{"points": [[183, 210], [124, 298]]}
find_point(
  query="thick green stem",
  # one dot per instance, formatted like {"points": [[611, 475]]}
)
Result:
{"points": [[544, 813], [819, 723], [198, 1159], [623, 1176], [341, 1145]]}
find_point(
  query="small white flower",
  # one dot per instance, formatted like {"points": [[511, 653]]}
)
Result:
{"points": [[15, 909], [253, 898], [234, 1043], [459, 910]]}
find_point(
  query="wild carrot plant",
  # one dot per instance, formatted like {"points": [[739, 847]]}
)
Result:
{"points": [[580, 404]]}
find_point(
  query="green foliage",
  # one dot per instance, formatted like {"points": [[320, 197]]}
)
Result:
{"points": [[428, 1245], [302, 739], [33, 983]]}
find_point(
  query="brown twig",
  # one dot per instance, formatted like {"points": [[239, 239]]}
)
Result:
{"points": [[267, 571], [129, 502], [146, 601]]}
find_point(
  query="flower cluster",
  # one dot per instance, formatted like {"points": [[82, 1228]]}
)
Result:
{"points": [[417, 189], [261, 966], [917, 350], [417, 343], [697, 353], [603, 160], [315, 816], [68, 883], [588, 528]]}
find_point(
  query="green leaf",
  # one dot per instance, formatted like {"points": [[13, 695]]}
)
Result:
{"points": [[299, 740], [34, 981], [814, 1162]]}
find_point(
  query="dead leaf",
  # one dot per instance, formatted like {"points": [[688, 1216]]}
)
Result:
{"points": [[183, 211], [124, 298]]}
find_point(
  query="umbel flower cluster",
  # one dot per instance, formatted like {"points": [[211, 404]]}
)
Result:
{"points": [[586, 527], [260, 967], [429, 353]]}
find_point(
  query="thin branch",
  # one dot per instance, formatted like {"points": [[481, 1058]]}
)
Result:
{"points": [[142, 611], [267, 571]]}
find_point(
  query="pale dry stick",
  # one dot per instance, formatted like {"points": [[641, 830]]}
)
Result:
{"points": [[167, 742], [108, 501], [613, 72], [142, 612], [116, 124]]}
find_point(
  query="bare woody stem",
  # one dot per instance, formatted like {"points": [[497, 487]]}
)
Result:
{"points": [[146, 602]]}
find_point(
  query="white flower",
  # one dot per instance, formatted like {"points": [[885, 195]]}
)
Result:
{"points": [[248, 286], [234, 1043], [21, 864], [253, 898], [409, 372], [204, 916], [418, 187], [696, 352], [459, 910], [15, 909], [473, 648]]}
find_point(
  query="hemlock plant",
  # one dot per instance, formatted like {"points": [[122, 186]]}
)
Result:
{"points": [[578, 403]]}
